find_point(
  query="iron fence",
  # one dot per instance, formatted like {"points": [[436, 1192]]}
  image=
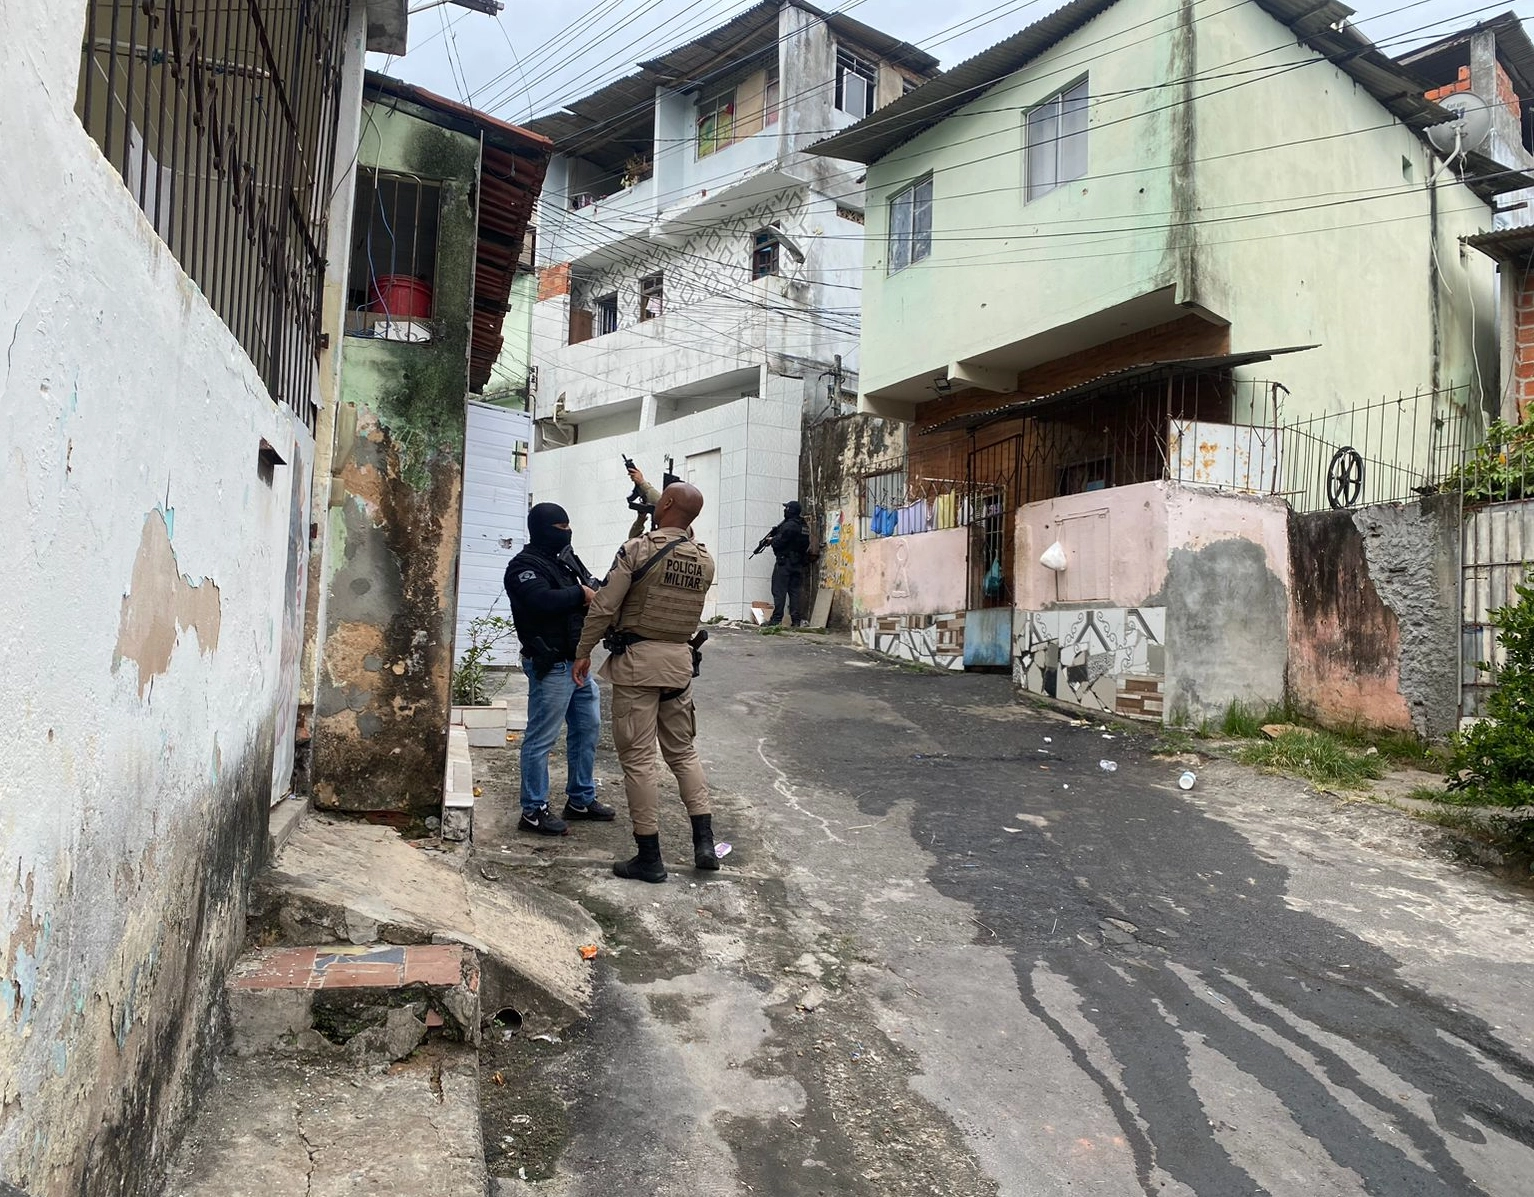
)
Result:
{"points": [[220, 115], [1391, 451]]}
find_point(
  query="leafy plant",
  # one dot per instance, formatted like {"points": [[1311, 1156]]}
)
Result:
{"points": [[1501, 468], [486, 632], [1318, 757], [1492, 763]]}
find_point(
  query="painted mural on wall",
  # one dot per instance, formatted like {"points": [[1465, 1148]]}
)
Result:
{"points": [[840, 538], [935, 640], [1108, 659]]}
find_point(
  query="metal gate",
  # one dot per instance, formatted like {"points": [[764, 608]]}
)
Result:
{"points": [[992, 497], [1494, 559]]}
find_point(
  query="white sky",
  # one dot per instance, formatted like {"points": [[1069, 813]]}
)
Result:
{"points": [[538, 54]]}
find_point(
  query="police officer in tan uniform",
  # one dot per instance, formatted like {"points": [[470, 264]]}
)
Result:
{"points": [[645, 614]]}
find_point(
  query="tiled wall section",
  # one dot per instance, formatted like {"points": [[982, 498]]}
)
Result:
{"points": [[1107, 659], [936, 640]]}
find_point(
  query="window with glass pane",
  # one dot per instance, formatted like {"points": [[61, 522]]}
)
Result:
{"points": [[855, 82], [910, 235], [1056, 141], [716, 123], [607, 314], [764, 256], [771, 94]]}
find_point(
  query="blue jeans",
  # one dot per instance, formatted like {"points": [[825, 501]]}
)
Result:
{"points": [[553, 700]]}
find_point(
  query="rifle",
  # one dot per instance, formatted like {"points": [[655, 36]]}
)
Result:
{"points": [[575, 565], [767, 540], [637, 502]]}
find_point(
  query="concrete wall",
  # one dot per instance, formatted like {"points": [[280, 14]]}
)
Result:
{"points": [[1286, 272], [912, 575], [758, 443], [1027, 267], [380, 737], [152, 583], [1115, 545], [1227, 605], [1374, 617], [1287, 204]]}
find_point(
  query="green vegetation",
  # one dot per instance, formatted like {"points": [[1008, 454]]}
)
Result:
{"points": [[1319, 757], [1242, 722], [470, 675], [1492, 764], [1500, 469]]}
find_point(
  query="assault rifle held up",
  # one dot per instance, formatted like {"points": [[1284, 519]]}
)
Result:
{"points": [[638, 501]]}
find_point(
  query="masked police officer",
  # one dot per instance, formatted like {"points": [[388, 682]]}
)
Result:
{"points": [[645, 613], [549, 590]]}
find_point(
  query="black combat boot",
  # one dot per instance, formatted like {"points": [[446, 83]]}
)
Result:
{"points": [[647, 865], [703, 855]]}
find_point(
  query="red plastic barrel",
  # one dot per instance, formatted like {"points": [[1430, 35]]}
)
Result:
{"points": [[402, 297]]}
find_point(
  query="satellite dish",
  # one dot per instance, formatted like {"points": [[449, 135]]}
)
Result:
{"points": [[1468, 130]]}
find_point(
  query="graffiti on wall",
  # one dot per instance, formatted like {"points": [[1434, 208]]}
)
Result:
{"points": [[838, 560], [1110, 659]]}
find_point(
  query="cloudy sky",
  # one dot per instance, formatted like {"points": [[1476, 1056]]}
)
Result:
{"points": [[540, 53]]}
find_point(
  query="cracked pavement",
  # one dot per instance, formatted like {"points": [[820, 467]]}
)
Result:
{"points": [[950, 954]]}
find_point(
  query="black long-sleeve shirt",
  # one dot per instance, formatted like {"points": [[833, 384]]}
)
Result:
{"points": [[547, 604]]}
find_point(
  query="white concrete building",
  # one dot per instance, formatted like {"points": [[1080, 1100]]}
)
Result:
{"points": [[699, 275]]}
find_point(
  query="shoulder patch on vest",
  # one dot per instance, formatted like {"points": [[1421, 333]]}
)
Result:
{"points": [[527, 575]]}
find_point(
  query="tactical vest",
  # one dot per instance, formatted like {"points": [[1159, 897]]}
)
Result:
{"points": [[668, 601]]}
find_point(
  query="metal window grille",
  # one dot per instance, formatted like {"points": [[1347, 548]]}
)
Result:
{"points": [[652, 296], [856, 81], [394, 256], [764, 256], [607, 314], [221, 119]]}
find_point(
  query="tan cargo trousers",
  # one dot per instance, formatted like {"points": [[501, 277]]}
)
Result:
{"points": [[640, 719]]}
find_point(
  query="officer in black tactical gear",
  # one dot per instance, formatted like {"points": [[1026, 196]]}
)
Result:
{"points": [[550, 589], [790, 544]]}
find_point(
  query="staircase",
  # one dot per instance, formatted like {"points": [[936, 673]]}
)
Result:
{"points": [[354, 1018]]}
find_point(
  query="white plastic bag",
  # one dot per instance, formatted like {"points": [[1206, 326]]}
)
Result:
{"points": [[1054, 557]]}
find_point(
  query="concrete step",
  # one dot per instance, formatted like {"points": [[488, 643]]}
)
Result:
{"points": [[377, 1003], [344, 882], [277, 1125]]}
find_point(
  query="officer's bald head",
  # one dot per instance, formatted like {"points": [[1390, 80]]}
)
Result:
{"points": [[679, 505]]}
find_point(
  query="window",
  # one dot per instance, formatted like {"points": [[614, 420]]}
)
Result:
{"points": [[855, 83], [394, 257], [607, 314], [652, 296], [716, 123], [908, 85], [1056, 139], [910, 236], [772, 93], [764, 255]]}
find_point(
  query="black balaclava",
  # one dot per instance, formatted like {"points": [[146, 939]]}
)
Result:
{"points": [[791, 509], [541, 532]]}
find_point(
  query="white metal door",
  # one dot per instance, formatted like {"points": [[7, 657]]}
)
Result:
{"points": [[703, 471], [494, 516]]}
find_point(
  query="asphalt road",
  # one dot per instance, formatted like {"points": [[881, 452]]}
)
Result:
{"points": [[952, 955]]}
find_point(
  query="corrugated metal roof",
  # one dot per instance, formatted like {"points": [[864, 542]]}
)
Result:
{"points": [[1513, 47], [1505, 245], [1033, 406], [510, 177], [1399, 89], [611, 109]]}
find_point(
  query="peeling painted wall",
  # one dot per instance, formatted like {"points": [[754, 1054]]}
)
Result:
{"points": [[142, 657], [380, 737], [1374, 617]]}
